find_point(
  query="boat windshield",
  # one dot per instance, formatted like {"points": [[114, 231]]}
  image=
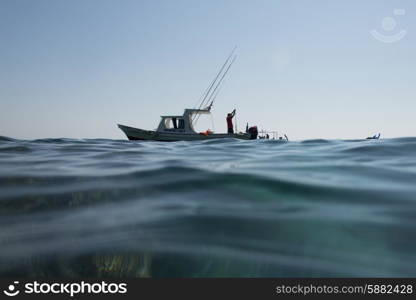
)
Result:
{"points": [[174, 123]]}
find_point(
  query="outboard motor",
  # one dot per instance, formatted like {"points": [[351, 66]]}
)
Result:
{"points": [[253, 132]]}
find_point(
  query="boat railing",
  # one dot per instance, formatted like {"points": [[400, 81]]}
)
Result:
{"points": [[272, 135]]}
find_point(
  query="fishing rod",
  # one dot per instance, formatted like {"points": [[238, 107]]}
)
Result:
{"points": [[207, 92]]}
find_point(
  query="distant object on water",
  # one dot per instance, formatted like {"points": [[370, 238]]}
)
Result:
{"points": [[374, 137]]}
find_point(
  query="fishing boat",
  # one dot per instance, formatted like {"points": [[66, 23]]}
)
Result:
{"points": [[374, 137], [181, 128]]}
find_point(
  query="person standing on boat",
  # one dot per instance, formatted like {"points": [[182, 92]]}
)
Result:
{"points": [[230, 126]]}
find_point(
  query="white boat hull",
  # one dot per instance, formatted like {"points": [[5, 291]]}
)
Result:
{"points": [[150, 135]]}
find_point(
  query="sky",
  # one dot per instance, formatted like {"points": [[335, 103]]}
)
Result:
{"points": [[310, 69]]}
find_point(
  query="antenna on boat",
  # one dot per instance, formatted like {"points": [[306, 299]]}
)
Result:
{"points": [[209, 92]]}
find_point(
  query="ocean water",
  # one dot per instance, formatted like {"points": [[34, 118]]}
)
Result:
{"points": [[219, 208]]}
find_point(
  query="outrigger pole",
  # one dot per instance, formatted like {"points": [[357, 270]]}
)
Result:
{"points": [[218, 91], [222, 78], [216, 87], [208, 94]]}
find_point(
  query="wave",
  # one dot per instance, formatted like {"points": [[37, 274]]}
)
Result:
{"points": [[316, 141], [6, 139], [15, 149]]}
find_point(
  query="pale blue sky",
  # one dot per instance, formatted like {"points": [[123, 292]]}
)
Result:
{"points": [[310, 69]]}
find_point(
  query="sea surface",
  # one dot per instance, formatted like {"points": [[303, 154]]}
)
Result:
{"points": [[218, 208]]}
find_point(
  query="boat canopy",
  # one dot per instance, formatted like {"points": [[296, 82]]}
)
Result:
{"points": [[181, 124]]}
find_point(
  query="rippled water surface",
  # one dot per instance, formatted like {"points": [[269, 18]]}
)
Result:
{"points": [[114, 208]]}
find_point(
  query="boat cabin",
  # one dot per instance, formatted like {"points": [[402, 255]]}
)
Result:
{"points": [[181, 124]]}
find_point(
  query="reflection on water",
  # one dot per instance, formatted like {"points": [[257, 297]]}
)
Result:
{"points": [[106, 208]]}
